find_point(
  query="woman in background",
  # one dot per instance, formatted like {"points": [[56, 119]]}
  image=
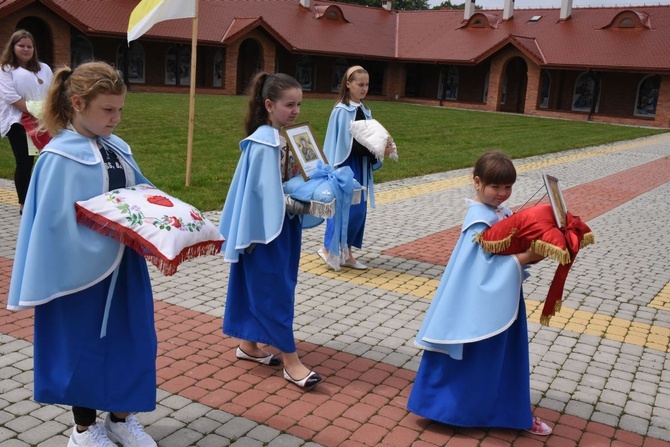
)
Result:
{"points": [[22, 78]]}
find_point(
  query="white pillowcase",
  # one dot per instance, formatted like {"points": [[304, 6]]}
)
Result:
{"points": [[371, 134], [160, 227]]}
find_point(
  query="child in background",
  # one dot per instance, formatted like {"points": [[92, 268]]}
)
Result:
{"points": [[95, 343], [263, 231], [475, 366], [341, 149]]}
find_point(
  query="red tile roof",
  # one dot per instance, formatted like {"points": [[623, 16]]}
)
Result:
{"points": [[582, 41]]}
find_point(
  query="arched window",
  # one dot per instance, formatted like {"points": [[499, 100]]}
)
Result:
{"points": [[584, 96], [647, 96], [218, 68], [545, 86], [135, 63], [82, 50], [305, 73], [178, 65], [339, 70]]}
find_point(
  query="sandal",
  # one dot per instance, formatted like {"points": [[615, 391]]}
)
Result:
{"points": [[539, 428]]}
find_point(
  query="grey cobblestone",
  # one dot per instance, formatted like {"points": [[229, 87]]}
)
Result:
{"points": [[580, 374]]}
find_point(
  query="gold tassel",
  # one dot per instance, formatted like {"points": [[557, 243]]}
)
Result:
{"points": [[550, 251], [495, 246], [544, 320], [558, 306], [589, 239]]}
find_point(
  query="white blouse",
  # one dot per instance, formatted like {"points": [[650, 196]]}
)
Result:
{"points": [[17, 83]]}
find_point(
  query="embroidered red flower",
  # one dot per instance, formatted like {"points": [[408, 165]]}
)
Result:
{"points": [[196, 216], [159, 200], [174, 222]]}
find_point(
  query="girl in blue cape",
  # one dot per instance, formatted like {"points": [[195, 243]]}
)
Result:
{"points": [[341, 149], [263, 232], [474, 371], [95, 342]]}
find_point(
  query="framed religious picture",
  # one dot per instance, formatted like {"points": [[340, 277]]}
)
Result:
{"points": [[556, 199], [303, 147]]}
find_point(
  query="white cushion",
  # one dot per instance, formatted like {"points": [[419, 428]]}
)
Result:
{"points": [[371, 134], [160, 227]]}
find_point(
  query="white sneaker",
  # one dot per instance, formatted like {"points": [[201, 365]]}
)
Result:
{"points": [[129, 433], [95, 436]]}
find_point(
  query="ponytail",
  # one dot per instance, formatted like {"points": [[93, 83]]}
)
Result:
{"points": [[265, 86], [257, 115], [57, 111], [86, 81]]}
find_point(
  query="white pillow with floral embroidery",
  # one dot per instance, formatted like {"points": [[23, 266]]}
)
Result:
{"points": [[160, 227]]}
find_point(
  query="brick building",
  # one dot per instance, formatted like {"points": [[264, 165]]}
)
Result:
{"points": [[608, 64]]}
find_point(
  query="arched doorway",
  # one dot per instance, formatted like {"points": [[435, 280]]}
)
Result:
{"points": [[513, 86], [43, 38], [249, 62]]}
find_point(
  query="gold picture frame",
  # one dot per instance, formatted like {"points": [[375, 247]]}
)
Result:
{"points": [[556, 199], [302, 144]]}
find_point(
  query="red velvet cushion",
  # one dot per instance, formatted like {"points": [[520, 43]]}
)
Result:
{"points": [[536, 227]]}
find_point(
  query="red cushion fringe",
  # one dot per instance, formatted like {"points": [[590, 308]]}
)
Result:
{"points": [[145, 248], [30, 123]]}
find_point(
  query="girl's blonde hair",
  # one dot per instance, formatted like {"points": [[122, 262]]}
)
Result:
{"points": [[349, 76], [494, 168], [86, 81]]}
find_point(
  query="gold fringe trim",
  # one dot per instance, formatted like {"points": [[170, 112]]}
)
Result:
{"points": [[544, 319], [495, 246], [589, 239], [550, 251]]}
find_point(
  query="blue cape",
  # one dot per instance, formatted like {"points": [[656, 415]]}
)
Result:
{"points": [[478, 296], [254, 208], [54, 255], [338, 142]]}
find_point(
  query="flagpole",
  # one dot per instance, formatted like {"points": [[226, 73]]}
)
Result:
{"points": [[191, 109]]}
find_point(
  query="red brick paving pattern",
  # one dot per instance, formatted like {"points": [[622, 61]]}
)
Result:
{"points": [[587, 201], [361, 402]]}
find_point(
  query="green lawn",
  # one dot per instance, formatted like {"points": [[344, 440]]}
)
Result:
{"points": [[429, 139]]}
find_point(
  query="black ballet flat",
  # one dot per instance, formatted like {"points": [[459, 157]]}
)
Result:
{"points": [[306, 383], [270, 360]]}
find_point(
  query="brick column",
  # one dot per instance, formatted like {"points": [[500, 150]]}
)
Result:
{"points": [[532, 88], [663, 104], [229, 83]]}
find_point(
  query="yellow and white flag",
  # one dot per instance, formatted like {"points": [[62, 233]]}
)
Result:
{"points": [[149, 12]]}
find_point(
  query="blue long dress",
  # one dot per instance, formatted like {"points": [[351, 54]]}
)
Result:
{"points": [[65, 270], [474, 371], [338, 145], [261, 290], [263, 245], [75, 366]]}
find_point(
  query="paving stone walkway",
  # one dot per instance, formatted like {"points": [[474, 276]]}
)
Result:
{"points": [[600, 373]]}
